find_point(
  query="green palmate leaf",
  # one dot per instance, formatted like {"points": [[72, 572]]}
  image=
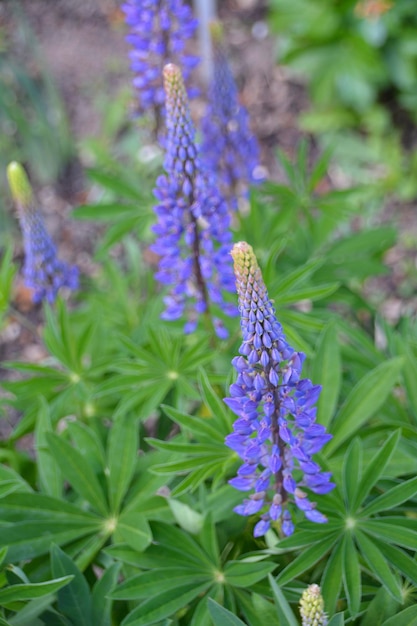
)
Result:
{"points": [[327, 372], [3, 553], [409, 373], [122, 453], [27, 615], [105, 211], [50, 478], [19, 507], [390, 530], [240, 574], [78, 472], [284, 612], [400, 559], [380, 608], [392, 498], [26, 540], [307, 559], [133, 529], [337, 620], [74, 600], [352, 466], [221, 616], [9, 486], [117, 184], [363, 401], [374, 469], [295, 278], [208, 539], [29, 591], [156, 581], [351, 575], [408, 617], [4, 623], [85, 440], [308, 293], [202, 428], [187, 518], [182, 543], [378, 565], [101, 603], [164, 605], [217, 407], [331, 581]]}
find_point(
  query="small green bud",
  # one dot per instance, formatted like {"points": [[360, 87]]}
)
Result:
{"points": [[312, 607], [19, 184]]}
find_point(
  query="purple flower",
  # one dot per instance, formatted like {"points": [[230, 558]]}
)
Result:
{"points": [[193, 234], [159, 30], [229, 148], [43, 271], [276, 432]]}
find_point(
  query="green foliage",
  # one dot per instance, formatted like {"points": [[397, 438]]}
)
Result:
{"points": [[120, 513]]}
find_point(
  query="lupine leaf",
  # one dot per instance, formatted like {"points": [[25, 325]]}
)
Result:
{"points": [[378, 565], [202, 428], [221, 616], [284, 612], [122, 452], [101, 603], [352, 466], [389, 530], [133, 528], [392, 498], [400, 559], [163, 605], [156, 581], [74, 600], [337, 620], [78, 472], [239, 574], [363, 401], [331, 581], [408, 617], [215, 404], [326, 371], [309, 557], [50, 478], [375, 469], [352, 575], [30, 591]]}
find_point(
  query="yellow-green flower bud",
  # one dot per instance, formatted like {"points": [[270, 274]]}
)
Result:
{"points": [[312, 607], [20, 186]]}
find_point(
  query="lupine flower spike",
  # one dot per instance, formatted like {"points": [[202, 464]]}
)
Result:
{"points": [[312, 607], [276, 433], [194, 239], [229, 147], [159, 30], [42, 271]]}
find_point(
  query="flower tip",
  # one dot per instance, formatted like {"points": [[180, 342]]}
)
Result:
{"points": [[19, 184], [216, 31]]}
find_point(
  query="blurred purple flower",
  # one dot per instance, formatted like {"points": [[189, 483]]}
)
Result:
{"points": [[229, 148], [194, 238], [159, 30], [276, 433], [42, 271]]}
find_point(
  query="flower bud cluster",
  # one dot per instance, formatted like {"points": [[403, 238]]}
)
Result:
{"points": [[159, 30], [42, 271], [276, 433], [229, 148], [193, 226]]}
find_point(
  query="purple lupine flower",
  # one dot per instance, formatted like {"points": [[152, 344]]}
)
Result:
{"points": [[159, 30], [194, 238], [42, 271], [229, 147], [276, 433]]}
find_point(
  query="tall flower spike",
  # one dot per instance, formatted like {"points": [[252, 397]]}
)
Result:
{"points": [[276, 433], [194, 238], [159, 30], [312, 607], [229, 148], [42, 271]]}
